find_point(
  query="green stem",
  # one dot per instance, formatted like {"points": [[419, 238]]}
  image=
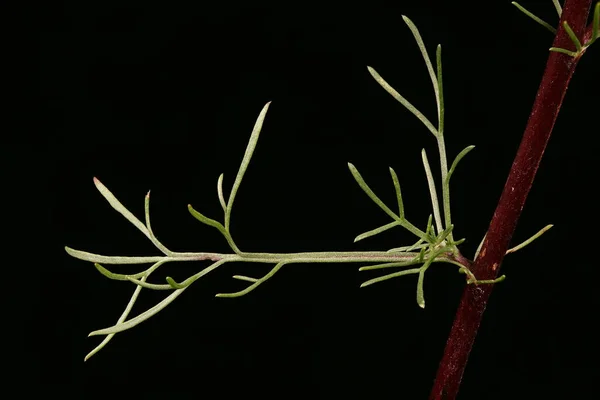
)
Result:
{"points": [[308, 257]]}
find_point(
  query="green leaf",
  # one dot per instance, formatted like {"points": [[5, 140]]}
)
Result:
{"points": [[558, 7], [146, 285], [151, 235], [121, 319], [421, 44], [257, 283], [376, 231], [398, 192], [118, 277], [403, 101], [487, 281], [245, 162], [245, 278], [123, 326], [422, 270], [205, 220], [459, 157], [535, 18], [389, 265], [220, 193], [531, 239], [434, 199], [412, 247], [390, 276], [120, 208], [420, 294], [216, 224], [84, 255], [573, 36], [444, 234], [440, 91], [173, 284], [363, 185], [429, 229], [563, 51]]}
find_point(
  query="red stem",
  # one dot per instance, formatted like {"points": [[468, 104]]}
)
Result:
{"points": [[558, 73]]}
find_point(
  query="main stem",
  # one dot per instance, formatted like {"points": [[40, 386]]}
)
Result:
{"points": [[558, 73]]}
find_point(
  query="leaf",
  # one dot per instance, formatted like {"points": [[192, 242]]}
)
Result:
{"points": [[152, 237], [152, 286], [84, 255], [459, 157], [398, 192], [220, 193], [205, 220], [440, 92], [390, 276], [245, 162], [403, 101], [420, 294], [573, 36], [216, 224], [421, 44], [389, 265], [376, 231], [442, 236], [257, 283], [173, 284], [563, 51], [531, 239], [120, 327], [363, 185], [558, 7], [120, 208], [536, 18], [122, 318], [432, 191], [118, 277], [418, 245]]}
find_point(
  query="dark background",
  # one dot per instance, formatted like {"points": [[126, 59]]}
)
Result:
{"points": [[163, 96]]}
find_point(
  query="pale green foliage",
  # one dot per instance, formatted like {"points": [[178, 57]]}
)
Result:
{"points": [[579, 47], [435, 243]]}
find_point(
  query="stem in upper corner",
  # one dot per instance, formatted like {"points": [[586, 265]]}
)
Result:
{"points": [[553, 86]]}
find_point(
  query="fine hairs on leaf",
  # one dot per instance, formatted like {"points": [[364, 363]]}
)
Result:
{"points": [[435, 243]]}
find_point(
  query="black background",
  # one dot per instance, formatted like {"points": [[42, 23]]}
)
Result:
{"points": [[163, 96]]}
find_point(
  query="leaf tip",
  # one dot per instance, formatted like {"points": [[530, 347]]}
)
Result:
{"points": [[173, 284]]}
